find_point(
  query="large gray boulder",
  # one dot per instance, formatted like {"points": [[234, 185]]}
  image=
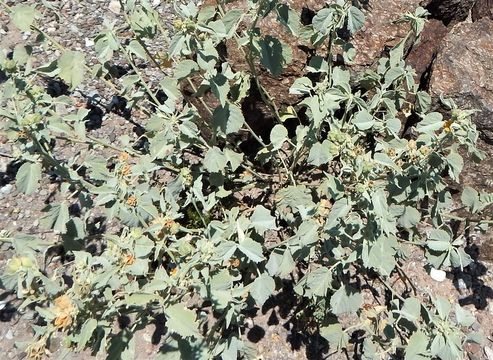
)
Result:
{"points": [[463, 70], [481, 9], [449, 11]]}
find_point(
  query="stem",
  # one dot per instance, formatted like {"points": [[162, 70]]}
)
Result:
{"points": [[290, 174], [384, 282]]}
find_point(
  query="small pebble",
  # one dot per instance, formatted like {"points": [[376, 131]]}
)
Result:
{"points": [[114, 7], [488, 352], [5, 190], [438, 275], [88, 42], [461, 284], [9, 335]]}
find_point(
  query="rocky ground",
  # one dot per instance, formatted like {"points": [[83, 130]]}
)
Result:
{"points": [[454, 57]]}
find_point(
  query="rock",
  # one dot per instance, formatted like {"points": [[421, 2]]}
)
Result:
{"points": [[488, 352], [88, 42], [463, 71], [476, 326], [378, 34], [379, 31], [461, 284], [5, 190], [481, 9], [449, 11], [9, 335], [423, 53], [438, 275], [114, 7]]}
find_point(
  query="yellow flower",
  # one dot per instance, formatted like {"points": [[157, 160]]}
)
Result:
{"points": [[425, 150], [391, 152], [174, 271], [168, 226], [447, 126]]}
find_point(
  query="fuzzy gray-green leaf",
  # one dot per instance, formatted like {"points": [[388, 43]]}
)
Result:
{"points": [[28, 177]]}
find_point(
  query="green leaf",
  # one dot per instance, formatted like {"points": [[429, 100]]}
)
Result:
{"points": [[235, 159], [411, 309], [393, 125], [262, 220], [136, 48], [280, 263], [385, 160], [301, 86], [443, 307], [355, 20], [307, 233], [439, 235], [317, 64], [439, 240], [363, 120], [430, 123], [340, 209], [278, 135], [220, 87], [470, 198], [345, 300], [185, 68], [323, 20], [182, 320], [463, 316], [28, 177], [23, 16], [140, 299], [228, 118], [289, 18], [423, 101], [320, 153], [252, 250], [338, 339], [56, 217], [271, 55], [381, 255], [215, 161], [459, 258], [417, 346], [262, 288], [410, 218], [456, 163], [71, 65], [86, 332], [231, 20]]}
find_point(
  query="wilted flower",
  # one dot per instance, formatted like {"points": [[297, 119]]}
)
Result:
{"points": [[123, 156], [126, 170], [128, 259], [234, 262], [64, 310], [37, 350], [132, 201]]}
